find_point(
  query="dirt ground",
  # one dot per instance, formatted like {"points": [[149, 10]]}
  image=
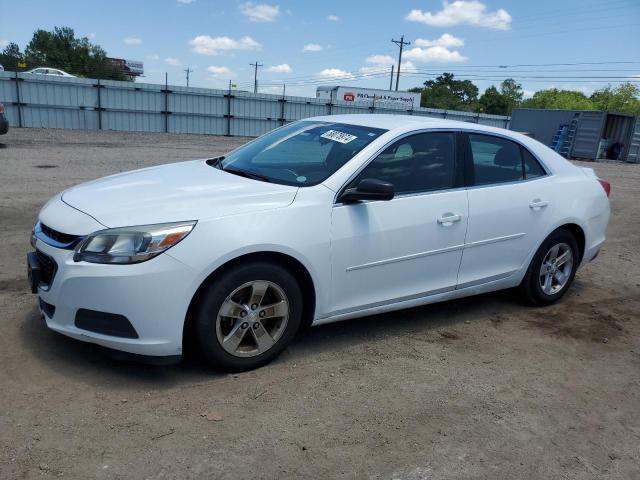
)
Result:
{"points": [[477, 388]]}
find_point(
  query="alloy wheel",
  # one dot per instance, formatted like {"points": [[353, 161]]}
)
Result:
{"points": [[556, 268], [252, 318]]}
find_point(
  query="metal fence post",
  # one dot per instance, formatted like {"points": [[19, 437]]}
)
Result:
{"points": [[283, 120], [228, 114], [18, 100], [166, 102], [99, 87]]}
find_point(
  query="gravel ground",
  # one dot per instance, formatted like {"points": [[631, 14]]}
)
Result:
{"points": [[477, 388]]}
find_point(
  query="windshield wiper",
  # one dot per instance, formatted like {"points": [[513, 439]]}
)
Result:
{"points": [[244, 173]]}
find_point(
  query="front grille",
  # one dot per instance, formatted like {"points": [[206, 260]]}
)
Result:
{"points": [[58, 236], [48, 267]]}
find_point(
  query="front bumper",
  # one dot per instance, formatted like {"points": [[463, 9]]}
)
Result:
{"points": [[153, 296]]}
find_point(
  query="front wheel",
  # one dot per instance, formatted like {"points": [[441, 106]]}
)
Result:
{"points": [[552, 269], [248, 315]]}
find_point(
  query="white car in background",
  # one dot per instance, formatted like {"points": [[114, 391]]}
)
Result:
{"points": [[321, 220], [50, 71]]}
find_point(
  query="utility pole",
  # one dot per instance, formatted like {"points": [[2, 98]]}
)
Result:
{"points": [[401, 43], [188, 71], [255, 75], [391, 79]]}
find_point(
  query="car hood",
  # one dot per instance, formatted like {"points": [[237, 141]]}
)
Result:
{"points": [[175, 192]]}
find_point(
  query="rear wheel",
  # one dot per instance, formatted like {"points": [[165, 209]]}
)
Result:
{"points": [[552, 269], [248, 315]]}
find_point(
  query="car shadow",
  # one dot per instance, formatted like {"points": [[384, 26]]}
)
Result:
{"points": [[417, 321], [83, 360]]}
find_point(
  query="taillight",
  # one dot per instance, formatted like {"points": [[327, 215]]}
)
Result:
{"points": [[606, 185], [1, 108]]}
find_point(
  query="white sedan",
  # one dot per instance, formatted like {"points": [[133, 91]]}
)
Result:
{"points": [[321, 220], [56, 72]]}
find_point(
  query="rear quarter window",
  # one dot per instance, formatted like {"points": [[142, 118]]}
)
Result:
{"points": [[532, 167]]}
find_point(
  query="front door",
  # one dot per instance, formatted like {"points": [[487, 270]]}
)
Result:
{"points": [[410, 246]]}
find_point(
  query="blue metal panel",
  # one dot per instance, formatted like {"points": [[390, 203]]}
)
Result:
{"points": [[588, 134], [63, 92], [633, 155], [179, 123], [47, 117], [52, 102], [7, 88], [133, 122], [126, 97]]}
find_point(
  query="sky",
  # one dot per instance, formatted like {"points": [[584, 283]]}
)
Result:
{"points": [[307, 43]]}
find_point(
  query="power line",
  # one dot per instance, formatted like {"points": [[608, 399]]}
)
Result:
{"points": [[555, 13], [482, 75], [507, 70], [401, 43], [448, 67], [255, 75]]}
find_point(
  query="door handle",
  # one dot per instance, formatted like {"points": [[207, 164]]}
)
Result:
{"points": [[538, 204], [448, 219]]}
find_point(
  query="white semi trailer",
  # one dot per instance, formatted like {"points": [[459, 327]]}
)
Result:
{"points": [[383, 98]]}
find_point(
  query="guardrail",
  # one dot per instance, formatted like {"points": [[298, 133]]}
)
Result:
{"points": [[78, 103]]}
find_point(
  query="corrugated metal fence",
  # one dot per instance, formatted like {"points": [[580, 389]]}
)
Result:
{"points": [[51, 102]]}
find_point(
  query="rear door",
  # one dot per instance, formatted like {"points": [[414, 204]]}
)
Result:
{"points": [[510, 202]]}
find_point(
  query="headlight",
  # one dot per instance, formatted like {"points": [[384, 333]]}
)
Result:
{"points": [[131, 244]]}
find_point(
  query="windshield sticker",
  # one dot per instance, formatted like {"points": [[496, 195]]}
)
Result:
{"points": [[337, 136], [301, 179]]}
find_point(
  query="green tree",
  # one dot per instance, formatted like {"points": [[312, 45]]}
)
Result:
{"points": [[512, 92], [501, 102], [11, 57], [559, 99], [448, 93], [61, 49], [623, 99], [494, 102]]}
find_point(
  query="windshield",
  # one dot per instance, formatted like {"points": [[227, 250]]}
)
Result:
{"points": [[303, 153]]}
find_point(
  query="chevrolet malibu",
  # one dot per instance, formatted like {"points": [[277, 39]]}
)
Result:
{"points": [[321, 220]]}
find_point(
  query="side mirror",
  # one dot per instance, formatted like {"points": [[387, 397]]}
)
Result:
{"points": [[368, 189]]}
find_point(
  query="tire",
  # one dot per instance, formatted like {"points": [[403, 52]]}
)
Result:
{"points": [[248, 315], [535, 287]]}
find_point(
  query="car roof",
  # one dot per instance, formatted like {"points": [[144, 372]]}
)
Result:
{"points": [[401, 123], [390, 122]]}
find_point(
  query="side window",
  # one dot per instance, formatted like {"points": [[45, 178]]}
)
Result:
{"points": [[495, 160], [420, 163], [532, 167]]}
